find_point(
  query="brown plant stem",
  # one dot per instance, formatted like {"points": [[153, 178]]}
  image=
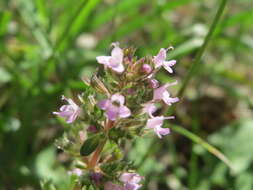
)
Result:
{"points": [[96, 155]]}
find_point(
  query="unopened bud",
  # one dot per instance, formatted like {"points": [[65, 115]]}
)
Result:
{"points": [[99, 85], [146, 68], [92, 129], [130, 91], [96, 177], [154, 83]]}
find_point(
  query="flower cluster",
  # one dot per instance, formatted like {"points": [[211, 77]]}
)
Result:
{"points": [[121, 100]]}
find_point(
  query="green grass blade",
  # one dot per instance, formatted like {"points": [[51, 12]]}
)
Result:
{"points": [[76, 23], [203, 143], [195, 64], [26, 8]]}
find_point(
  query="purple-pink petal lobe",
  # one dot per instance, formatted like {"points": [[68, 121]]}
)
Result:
{"points": [[161, 93], [160, 60], [156, 123], [115, 61], [154, 83], [69, 112], [131, 180], [114, 107], [149, 108]]}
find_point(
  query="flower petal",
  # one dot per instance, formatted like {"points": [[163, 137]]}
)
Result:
{"points": [[155, 122], [158, 92], [112, 112], [117, 54], [119, 68], [124, 112], [167, 99], [118, 98], [149, 108], [103, 104], [167, 65], [161, 131], [160, 58], [103, 59]]}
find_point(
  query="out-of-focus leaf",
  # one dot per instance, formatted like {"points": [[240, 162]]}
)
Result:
{"points": [[145, 162], [203, 143], [5, 18], [5, 76], [244, 181], [236, 142], [48, 169], [186, 47]]}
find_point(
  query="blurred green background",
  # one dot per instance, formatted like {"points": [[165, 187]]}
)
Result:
{"points": [[47, 46]]}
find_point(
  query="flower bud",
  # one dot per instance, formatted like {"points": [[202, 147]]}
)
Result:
{"points": [[96, 177], [154, 83], [92, 129], [97, 84], [146, 69]]}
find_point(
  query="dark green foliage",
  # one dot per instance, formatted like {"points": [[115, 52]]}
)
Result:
{"points": [[90, 145]]}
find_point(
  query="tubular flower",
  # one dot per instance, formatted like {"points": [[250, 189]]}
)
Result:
{"points": [[161, 93], [149, 108], [156, 123], [160, 60], [115, 61], [114, 107], [131, 181], [69, 112]]}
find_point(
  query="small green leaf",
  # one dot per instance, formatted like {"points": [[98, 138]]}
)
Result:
{"points": [[90, 145]]}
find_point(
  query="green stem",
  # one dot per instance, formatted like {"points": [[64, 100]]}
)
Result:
{"points": [[202, 49], [193, 174], [203, 143]]}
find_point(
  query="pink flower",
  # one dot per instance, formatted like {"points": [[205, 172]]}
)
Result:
{"points": [[154, 83], [131, 181], [149, 108], [114, 107], [161, 93], [111, 186], [146, 68], [69, 112], [160, 60], [156, 123], [92, 129], [115, 61]]}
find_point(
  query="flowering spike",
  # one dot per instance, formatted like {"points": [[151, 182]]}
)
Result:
{"points": [[121, 100]]}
